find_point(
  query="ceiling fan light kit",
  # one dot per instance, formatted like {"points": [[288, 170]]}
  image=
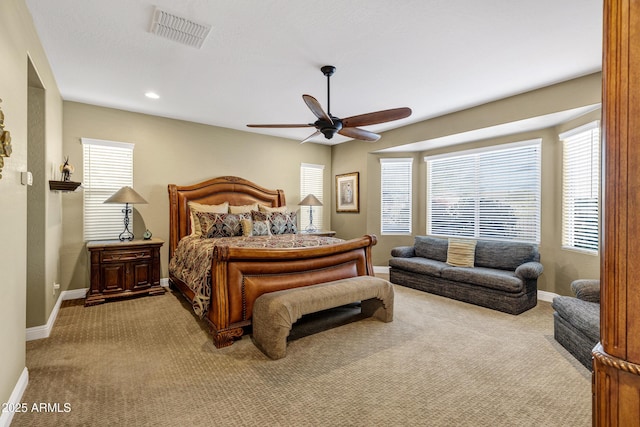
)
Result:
{"points": [[328, 124]]}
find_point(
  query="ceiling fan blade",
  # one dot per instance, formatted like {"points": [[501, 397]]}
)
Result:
{"points": [[316, 108], [306, 125], [377, 117], [360, 134], [313, 135]]}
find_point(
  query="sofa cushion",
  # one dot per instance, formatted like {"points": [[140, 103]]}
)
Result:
{"points": [[486, 277], [583, 315], [418, 265], [504, 255], [460, 252], [431, 248]]}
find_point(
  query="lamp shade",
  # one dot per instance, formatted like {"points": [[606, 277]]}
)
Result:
{"points": [[125, 195], [310, 200]]}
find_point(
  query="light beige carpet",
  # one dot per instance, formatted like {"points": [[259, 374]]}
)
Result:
{"points": [[150, 362]]}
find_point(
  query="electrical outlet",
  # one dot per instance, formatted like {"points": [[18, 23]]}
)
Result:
{"points": [[56, 286]]}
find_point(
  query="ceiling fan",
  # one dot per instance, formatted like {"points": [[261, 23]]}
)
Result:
{"points": [[329, 125]]}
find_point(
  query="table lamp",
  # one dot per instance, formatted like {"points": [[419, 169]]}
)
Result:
{"points": [[310, 201], [126, 195]]}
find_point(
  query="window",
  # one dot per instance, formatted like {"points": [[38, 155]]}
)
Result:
{"points": [[489, 193], [395, 177], [311, 182], [580, 187], [108, 166]]}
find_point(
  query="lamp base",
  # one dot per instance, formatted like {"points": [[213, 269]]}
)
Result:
{"points": [[311, 228], [126, 234]]}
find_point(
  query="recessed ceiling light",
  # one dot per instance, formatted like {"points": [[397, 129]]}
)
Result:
{"points": [[152, 95]]}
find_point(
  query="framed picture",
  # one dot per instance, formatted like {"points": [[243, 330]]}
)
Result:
{"points": [[347, 192]]}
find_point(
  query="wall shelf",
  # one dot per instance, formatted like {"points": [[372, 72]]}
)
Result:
{"points": [[63, 185]]}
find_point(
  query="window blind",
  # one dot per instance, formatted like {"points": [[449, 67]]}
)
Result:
{"points": [[396, 206], [311, 182], [108, 166], [580, 187], [490, 193]]}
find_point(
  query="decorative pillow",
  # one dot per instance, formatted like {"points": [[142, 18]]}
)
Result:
{"points": [[461, 252], [243, 208], [247, 226], [279, 222], [198, 207], [254, 228], [220, 225], [260, 228], [263, 208]]}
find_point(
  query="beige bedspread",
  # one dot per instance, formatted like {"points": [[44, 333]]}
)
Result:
{"points": [[192, 259]]}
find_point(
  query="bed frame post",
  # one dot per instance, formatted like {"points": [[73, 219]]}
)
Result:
{"points": [[174, 234], [223, 336], [368, 256]]}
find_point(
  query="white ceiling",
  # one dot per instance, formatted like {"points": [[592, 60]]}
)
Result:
{"points": [[434, 56]]}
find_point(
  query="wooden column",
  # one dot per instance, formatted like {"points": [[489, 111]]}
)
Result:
{"points": [[616, 375]]}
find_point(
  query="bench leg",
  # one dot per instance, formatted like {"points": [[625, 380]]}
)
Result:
{"points": [[375, 308], [271, 339]]}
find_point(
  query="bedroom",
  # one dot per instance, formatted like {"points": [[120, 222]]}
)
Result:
{"points": [[161, 142]]}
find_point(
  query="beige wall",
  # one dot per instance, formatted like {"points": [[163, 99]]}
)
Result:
{"points": [[18, 42], [561, 266], [175, 152]]}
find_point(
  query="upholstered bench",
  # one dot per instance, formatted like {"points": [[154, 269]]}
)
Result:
{"points": [[274, 313]]}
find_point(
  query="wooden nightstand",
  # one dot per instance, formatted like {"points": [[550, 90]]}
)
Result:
{"points": [[124, 269]]}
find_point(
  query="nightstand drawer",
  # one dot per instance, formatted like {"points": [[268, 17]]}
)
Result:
{"points": [[125, 255]]}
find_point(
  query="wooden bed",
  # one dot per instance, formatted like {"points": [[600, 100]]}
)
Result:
{"points": [[240, 275]]}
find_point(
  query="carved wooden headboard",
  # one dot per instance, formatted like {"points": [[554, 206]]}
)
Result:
{"points": [[237, 191]]}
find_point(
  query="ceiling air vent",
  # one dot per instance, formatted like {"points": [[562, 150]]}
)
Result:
{"points": [[179, 29]]}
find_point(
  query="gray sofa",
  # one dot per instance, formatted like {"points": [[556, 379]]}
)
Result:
{"points": [[576, 321], [504, 276]]}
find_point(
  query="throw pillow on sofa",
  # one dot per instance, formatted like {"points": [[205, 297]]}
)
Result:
{"points": [[461, 252]]}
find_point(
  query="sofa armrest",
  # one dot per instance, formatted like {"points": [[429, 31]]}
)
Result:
{"points": [[403, 252], [529, 270], [586, 289]]}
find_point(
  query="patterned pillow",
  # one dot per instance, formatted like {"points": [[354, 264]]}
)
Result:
{"points": [[198, 207], [254, 228], [279, 222], [260, 228], [220, 225]]}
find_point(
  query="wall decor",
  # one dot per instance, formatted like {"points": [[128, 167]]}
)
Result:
{"points": [[5, 141], [65, 184], [66, 169], [347, 192]]}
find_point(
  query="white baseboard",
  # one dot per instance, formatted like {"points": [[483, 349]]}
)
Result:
{"points": [[381, 269], [542, 295], [39, 332], [15, 398], [74, 294], [546, 296]]}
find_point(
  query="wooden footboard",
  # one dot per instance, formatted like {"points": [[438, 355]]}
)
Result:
{"points": [[241, 275]]}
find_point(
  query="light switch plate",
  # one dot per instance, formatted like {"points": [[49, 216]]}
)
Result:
{"points": [[26, 178]]}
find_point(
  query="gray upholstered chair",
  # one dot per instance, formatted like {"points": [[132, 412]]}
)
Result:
{"points": [[576, 321]]}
